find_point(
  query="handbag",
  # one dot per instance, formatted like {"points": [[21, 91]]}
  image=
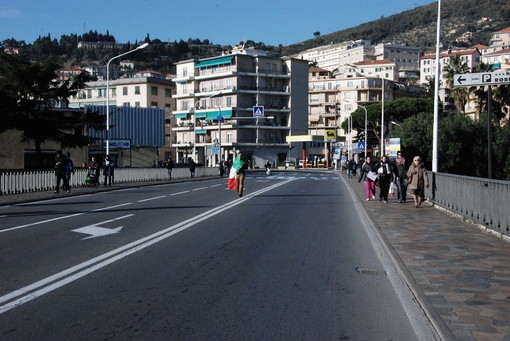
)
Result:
{"points": [[393, 189]]}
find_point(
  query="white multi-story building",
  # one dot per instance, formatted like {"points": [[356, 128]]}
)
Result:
{"points": [[498, 59], [231, 86], [471, 56], [500, 40], [333, 97], [334, 56]]}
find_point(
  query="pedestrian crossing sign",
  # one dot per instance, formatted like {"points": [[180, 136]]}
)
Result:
{"points": [[258, 111]]}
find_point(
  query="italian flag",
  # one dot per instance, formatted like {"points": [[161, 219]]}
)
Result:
{"points": [[236, 166]]}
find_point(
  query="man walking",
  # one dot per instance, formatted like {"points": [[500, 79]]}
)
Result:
{"points": [[60, 171]]}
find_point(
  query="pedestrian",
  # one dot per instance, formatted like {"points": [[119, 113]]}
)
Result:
{"points": [[417, 180], [221, 169], [368, 173], [69, 169], [400, 172], [94, 170], [60, 171], [169, 167], [192, 166], [108, 167], [240, 166], [385, 177]]}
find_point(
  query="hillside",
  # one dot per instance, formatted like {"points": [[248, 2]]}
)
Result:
{"points": [[417, 27]]}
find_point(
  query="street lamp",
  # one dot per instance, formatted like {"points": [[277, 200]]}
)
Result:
{"points": [[144, 45], [435, 130], [366, 124], [195, 123]]}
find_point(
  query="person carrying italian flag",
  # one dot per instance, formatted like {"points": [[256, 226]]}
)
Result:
{"points": [[236, 175]]}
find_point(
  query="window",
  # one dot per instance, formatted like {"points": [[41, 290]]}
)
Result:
{"points": [[229, 137], [154, 104], [154, 91], [137, 104], [185, 72], [229, 101], [126, 104], [168, 92], [124, 90], [114, 92], [137, 89]]}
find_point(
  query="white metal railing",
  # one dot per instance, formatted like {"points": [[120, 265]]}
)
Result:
{"points": [[25, 181], [483, 201]]}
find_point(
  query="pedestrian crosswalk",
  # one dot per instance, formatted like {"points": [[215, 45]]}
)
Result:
{"points": [[277, 177]]}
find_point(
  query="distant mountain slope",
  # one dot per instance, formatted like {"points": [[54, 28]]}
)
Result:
{"points": [[417, 27]]}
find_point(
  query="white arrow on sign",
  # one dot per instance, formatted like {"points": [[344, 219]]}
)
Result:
{"points": [[97, 231]]}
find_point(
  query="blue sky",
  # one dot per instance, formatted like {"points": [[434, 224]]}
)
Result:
{"points": [[225, 22]]}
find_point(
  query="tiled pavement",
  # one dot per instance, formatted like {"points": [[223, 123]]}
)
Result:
{"points": [[460, 274]]}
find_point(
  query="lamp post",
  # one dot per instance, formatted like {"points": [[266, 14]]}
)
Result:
{"points": [[382, 117], [144, 45], [366, 130], [436, 94]]}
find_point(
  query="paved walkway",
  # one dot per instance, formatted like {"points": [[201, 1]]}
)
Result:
{"points": [[460, 274]]}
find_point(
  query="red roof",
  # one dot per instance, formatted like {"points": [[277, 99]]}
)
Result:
{"points": [[450, 54], [318, 69], [374, 62], [505, 30], [507, 51]]}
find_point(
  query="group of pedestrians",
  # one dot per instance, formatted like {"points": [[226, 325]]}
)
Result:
{"points": [[386, 174], [64, 168]]}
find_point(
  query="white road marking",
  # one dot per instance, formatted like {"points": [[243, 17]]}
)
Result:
{"points": [[51, 283], [179, 193], [63, 217], [154, 198], [199, 189], [97, 231]]}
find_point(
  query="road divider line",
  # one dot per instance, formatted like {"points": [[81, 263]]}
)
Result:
{"points": [[199, 189], [154, 198], [179, 193], [51, 283]]}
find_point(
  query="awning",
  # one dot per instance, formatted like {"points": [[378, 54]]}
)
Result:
{"points": [[200, 115], [224, 113], [313, 118], [200, 131], [181, 115], [213, 62]]}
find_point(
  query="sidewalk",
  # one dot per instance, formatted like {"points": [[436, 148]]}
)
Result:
{"points": [[460, 274]]}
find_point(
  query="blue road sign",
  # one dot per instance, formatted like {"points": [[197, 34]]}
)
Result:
{"points": [[258, 111]]}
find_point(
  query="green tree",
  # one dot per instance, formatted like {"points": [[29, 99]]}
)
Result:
{"points": [[29, 91], [460, 94]]}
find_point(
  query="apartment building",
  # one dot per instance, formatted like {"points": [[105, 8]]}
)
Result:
{"points": [[332, 97], [146, 89], [500, 40], [470, 56], [334, 56], [498, 60], [230, 86]]}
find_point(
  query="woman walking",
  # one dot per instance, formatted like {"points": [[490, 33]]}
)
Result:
{"points": [[368, 174], [385, 177], [417, 180]]}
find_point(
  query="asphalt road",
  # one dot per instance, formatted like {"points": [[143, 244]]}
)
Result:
{"points": [[293, 259]]}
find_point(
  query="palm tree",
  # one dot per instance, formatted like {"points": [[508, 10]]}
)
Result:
{"points": [[461, 94]]}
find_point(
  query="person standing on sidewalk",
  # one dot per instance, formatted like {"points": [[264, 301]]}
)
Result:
{"points": [[192, 166], [385, 176], [367, 173], [108, 171], [169, 167], [69, 170], [400, 172], [60, 171], [418, 180]]}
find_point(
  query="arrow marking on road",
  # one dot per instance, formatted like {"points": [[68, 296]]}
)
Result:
{"points": [[97, 231]]}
